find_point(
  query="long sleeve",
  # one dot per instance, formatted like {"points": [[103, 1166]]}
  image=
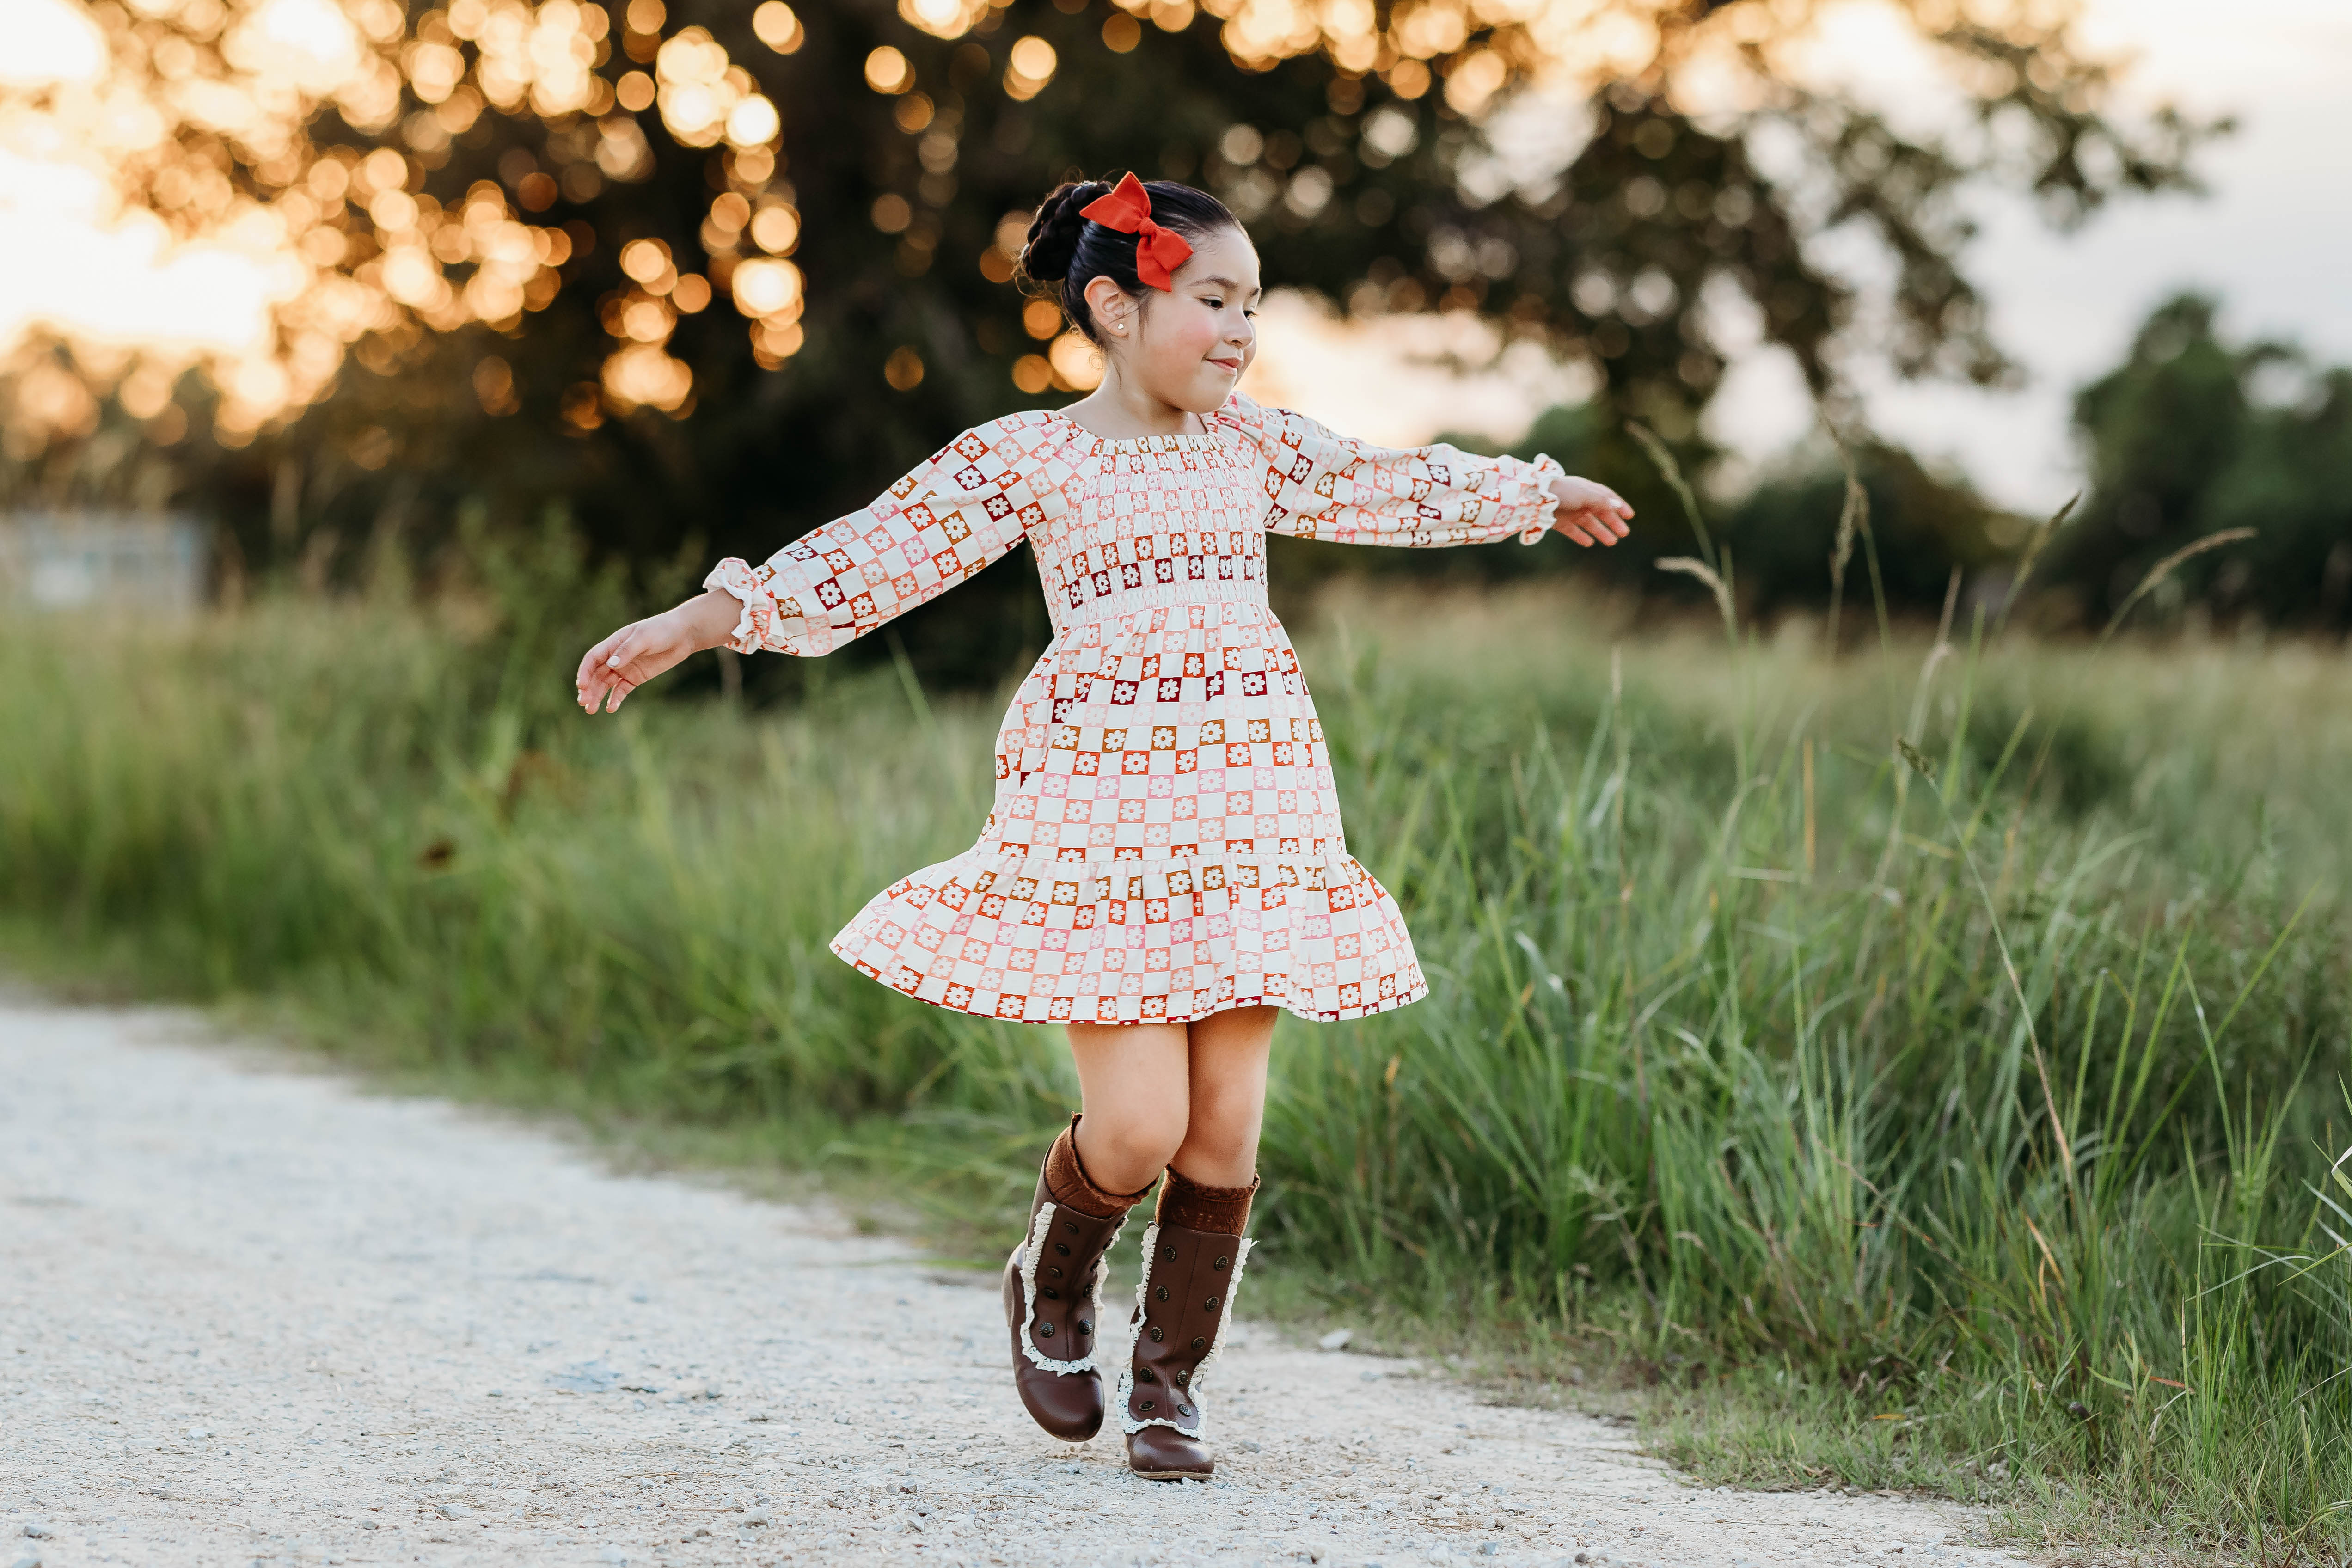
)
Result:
{"points": [[960, 509], [1321, 485]]}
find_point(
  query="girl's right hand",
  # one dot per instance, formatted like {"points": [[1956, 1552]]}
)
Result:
{"points": [[643, 650]]}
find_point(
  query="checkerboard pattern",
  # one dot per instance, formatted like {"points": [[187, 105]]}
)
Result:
{"points": [[1165, 841]]}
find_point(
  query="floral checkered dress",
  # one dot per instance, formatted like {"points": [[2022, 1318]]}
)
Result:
{"points": [[1165, 841]]}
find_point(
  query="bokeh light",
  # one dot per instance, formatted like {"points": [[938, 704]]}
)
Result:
{"points": [[125, 122]]}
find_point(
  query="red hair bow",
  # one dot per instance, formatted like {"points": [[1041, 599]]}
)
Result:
{"points": [[1158, 252]]}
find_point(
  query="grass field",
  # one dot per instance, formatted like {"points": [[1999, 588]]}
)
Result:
{"points": [[1920, 1069]]}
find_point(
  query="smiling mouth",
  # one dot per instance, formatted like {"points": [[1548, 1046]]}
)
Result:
{"points": [[1227, 365]]}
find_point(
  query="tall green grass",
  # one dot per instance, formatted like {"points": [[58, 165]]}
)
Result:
{"points": [[1927, 1066]]}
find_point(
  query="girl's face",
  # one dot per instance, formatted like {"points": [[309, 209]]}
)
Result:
{"points": [[1188, 347]]}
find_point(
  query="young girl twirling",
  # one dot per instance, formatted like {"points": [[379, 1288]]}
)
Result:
{"points": [[1163, 869]]}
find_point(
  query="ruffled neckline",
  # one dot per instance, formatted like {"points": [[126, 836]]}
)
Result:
{"points": [[1184, 441]]}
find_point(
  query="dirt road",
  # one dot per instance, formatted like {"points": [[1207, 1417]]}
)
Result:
{"points": [[252, 1314]]}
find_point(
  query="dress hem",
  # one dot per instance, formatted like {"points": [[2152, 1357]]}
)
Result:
{"points": [[1415, 993]]}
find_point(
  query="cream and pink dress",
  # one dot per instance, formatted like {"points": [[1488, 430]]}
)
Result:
{"points": [[1165, 841]]}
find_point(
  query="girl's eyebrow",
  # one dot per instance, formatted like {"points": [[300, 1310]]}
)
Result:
{"points": [[1232, 283]]}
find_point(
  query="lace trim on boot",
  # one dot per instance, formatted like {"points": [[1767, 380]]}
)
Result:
{"points": [[1200, 1426], [1030, 1248]]}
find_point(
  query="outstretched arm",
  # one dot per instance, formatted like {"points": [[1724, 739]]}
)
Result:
{"points": [[1322, 485], [965, 507], [643, 650]]}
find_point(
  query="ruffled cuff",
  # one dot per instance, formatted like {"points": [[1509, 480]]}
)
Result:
{"points": [[757, 625], [1536, 500]]}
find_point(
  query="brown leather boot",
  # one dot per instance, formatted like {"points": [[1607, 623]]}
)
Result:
{"points": [[1182, 1307], [1053, 1293]]}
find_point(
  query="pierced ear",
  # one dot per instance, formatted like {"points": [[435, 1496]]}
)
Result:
{"points": [[1110, 304]]}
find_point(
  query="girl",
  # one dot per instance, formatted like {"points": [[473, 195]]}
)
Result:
{"points": [[1164, 869]]}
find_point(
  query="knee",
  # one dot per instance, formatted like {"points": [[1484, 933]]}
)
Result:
{"points": [[1220, 1150], [1219, 1157], [1124, 1151]]}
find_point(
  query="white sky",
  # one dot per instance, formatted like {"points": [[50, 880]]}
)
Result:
{"points": [[2272, 241]]}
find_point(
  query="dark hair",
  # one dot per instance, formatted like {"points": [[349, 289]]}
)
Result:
{"points": [[1064, 252]]}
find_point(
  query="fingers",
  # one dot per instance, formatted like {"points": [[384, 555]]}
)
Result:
{"points": [[1590, 513], [1610, 514], [600, 672], [1591, 525], [1603, 523], [593, 660]]}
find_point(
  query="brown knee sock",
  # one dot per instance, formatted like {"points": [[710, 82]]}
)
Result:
{"points": [[1067, 1184], [1187, 1205]]}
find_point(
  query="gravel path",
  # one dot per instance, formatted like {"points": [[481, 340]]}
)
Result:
{"points": [[249, 1314]]}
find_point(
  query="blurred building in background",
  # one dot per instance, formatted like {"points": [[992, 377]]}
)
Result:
{"points": [[65, 560]]}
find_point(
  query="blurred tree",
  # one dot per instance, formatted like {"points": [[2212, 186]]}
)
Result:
{"points": [[1922, 524], [724, 271], [2192, 435]]}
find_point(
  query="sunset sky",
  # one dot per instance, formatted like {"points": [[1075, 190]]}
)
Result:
{"points": [[2270, 240]]}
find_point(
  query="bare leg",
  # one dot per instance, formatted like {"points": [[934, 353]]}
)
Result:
{"points": [[1229, 1052], [1134, 1081]]}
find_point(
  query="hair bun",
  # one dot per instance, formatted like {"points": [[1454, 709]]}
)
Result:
{"points": [[1055, 232]]}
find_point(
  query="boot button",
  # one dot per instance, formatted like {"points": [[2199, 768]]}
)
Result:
{"points": [[1062, 1248], [1148, 1404], [1197, 1343], [1055, 1271], [1085, 1327], [1168, 1254], [1050, 1293], [1145, 1375], [1071, 1225], [1183, 1377], [1158, 1334], [1211, 1304], [1046, 1330], [1160, 1294], [1219, 1265], [1184, 1410]]}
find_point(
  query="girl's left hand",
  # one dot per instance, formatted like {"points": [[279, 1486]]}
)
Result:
{"points": [[1590, 513], [643, 650]]}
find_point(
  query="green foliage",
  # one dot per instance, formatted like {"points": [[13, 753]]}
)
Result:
{"points": [[2192, 436], [1974, 1121], [1924, 525]]}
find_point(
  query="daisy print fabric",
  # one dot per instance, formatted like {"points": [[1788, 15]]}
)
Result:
{"points": [[1165, 841]]}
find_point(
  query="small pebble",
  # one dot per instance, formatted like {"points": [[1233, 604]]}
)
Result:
{"points": [[1336, 1340]]}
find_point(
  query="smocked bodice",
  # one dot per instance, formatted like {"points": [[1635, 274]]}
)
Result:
{"points": [[1162, 520]]}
